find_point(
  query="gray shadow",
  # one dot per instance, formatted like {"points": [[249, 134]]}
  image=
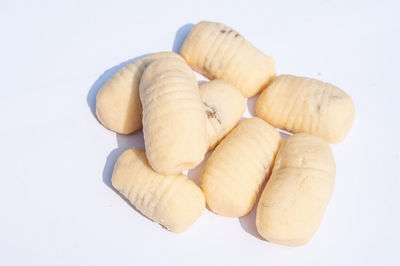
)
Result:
{"points": [[101, 80], [251, 104], [242, 119], [180, 37], [124, 142], [195, 173], [284, 134]]}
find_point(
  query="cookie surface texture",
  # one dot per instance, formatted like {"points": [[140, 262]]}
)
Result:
{"points": [[307, 105], [224, 106], [173, 201], [174, 121], [294, 200], [118, 106], [219, 52], [233, 175]]}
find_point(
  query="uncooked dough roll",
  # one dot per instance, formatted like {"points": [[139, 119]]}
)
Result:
{"points": [[233, 175], [173, 201], [224, 106], [294, 200], [118, 105], [174, 124], [300, 104], [219, 52]]}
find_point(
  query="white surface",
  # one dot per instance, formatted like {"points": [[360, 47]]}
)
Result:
{"points": [[56, 159]]}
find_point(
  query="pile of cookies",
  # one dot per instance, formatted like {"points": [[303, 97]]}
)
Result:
{"points": [[182, 120]]}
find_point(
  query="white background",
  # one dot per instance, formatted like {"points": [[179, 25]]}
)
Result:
{"points": [[56, 206]]}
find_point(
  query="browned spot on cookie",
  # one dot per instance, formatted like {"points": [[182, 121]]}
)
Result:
{"points": [[222, 31], [211, 113], [318, 107], [229, 31], [237, 35]]}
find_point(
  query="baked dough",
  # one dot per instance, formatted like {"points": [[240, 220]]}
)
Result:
{"points": [[294, 200], [224, 106], [235, 171], [219, 52], [173, 201], [118, 105], [300, 104], [174, 123]]}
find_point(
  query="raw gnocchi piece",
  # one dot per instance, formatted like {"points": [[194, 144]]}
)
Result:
{"points": [[294, 200], [224, 106], [219, 52], [174, 124], [118, 105], [233, 175], [173, 201], [308, 105]]}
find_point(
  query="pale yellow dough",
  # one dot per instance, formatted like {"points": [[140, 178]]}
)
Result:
{"points": [[224, 106], [233, 175], [118, 105], [219, 52], [173, 201], [294, 200], [174, 123], [300, 104]]}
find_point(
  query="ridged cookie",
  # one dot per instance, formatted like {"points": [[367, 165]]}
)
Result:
{"points": [[233, 175], [173, 201], [300, 104], [219, 52], [294, 200], [118, 105], [174, 123], [224, 106]]}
